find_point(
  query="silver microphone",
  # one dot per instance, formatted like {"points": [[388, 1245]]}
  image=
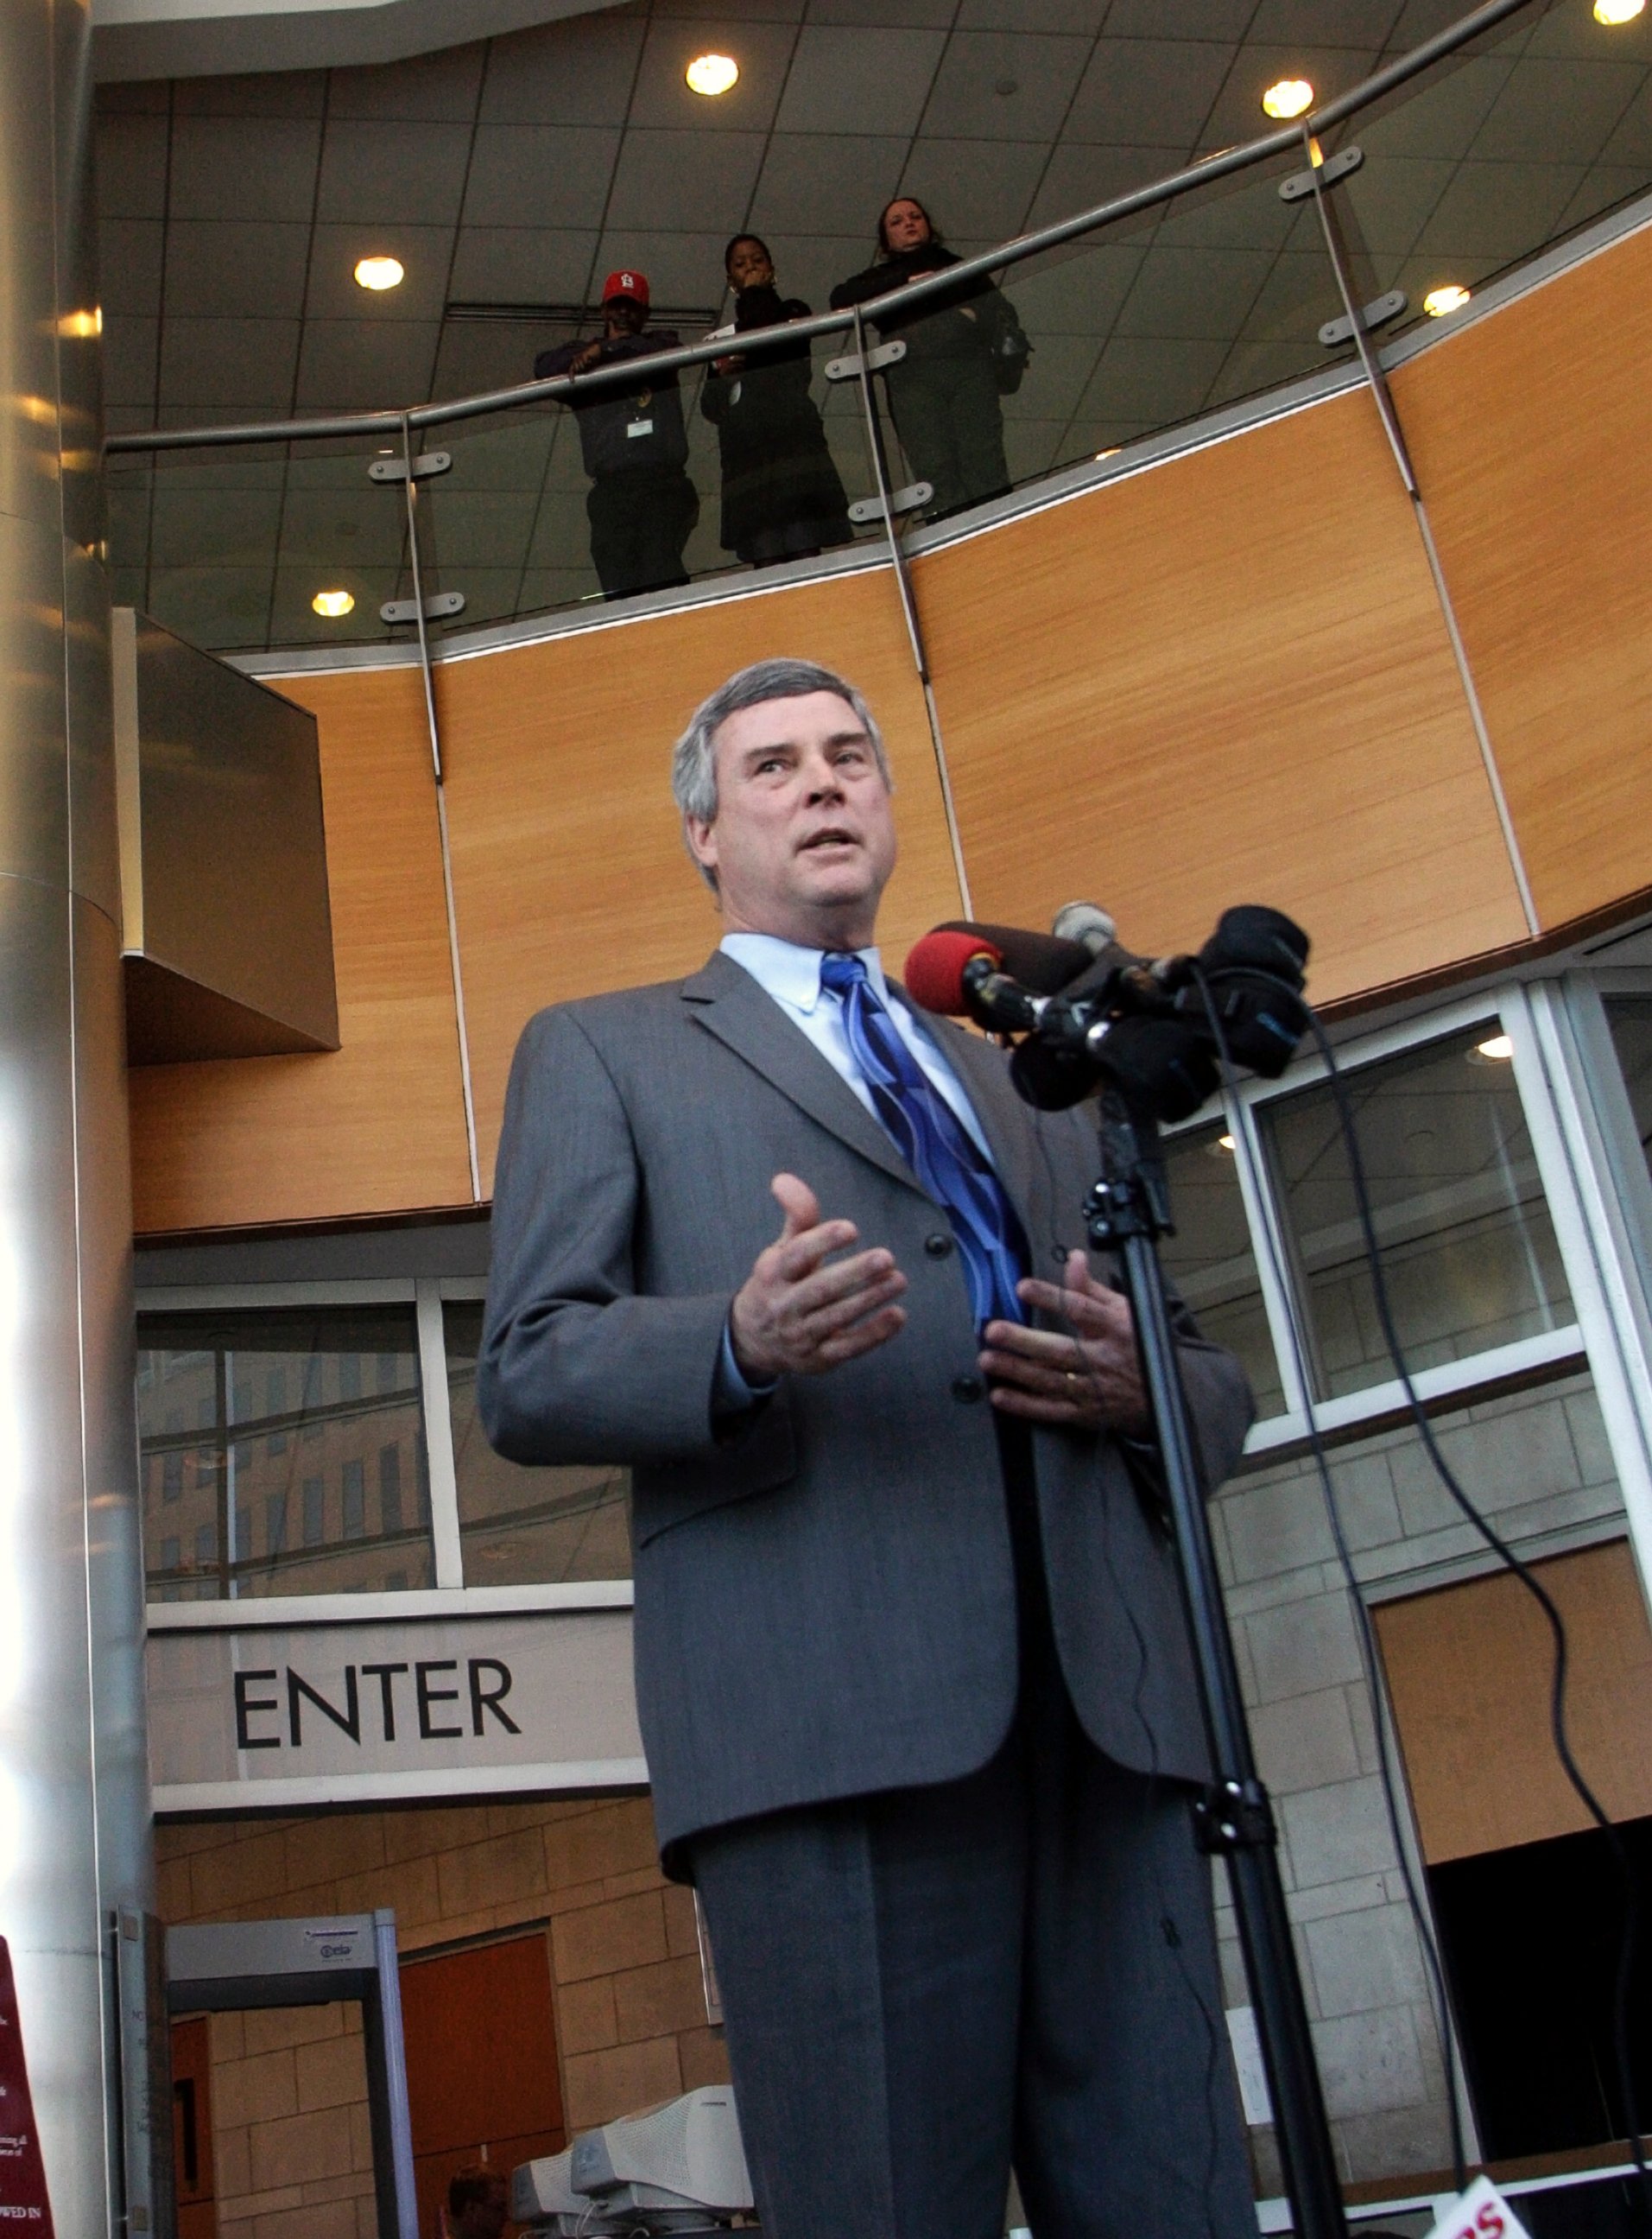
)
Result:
{"points": [[1088, 925]]}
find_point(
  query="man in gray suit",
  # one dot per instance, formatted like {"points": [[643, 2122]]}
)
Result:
{"points": [[912, 1663]]}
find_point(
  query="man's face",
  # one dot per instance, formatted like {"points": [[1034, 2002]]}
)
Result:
{"points": [[623, 315], [804, 839]]}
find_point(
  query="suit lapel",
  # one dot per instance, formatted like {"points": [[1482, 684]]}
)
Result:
{"points": [[729, 1003]]}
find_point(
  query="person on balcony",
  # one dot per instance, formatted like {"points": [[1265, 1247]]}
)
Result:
{"points": [[641, 506], [965, 349], [782, 496]]}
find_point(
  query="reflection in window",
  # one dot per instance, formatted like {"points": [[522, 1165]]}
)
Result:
{"points": [[1468, 1246], [526, 1527], [264, 1510], [1210, 1260]]}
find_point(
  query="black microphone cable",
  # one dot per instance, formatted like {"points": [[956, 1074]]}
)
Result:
{"points": [[1509, 1560]]}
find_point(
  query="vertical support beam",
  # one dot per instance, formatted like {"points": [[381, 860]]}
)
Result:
{"points": [[74, 1825], [428, 675], [1382, 395], [909, 605], [393, 2175]]}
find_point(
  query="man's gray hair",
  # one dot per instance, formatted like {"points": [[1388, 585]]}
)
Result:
{"points": [[694, 760]]}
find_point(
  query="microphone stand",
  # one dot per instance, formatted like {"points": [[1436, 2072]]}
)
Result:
{"points": [[1126, 1213]]}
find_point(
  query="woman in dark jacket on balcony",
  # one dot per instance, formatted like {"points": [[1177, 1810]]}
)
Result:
{"points": [[964, 350], [782, 496]]}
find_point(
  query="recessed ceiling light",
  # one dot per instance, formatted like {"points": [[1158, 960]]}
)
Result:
{"points": [[1224, 1142], [1292, 97], [332, 604], [710, 74], [1495, 1047], [1618, 11], [378, 273], [1439, 301]]}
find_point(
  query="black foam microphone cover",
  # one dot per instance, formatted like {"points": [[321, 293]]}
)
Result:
{"points": [[1261, 1021], [1252, 938], [1164, 1064]]}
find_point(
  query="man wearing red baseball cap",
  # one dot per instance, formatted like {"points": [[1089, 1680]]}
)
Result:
{"points": [[641, 506]]}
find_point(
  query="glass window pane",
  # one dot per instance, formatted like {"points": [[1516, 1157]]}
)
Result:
{"points": [[296, 1492], [1210, 1259], [1468, 1246], [527, 1526]]}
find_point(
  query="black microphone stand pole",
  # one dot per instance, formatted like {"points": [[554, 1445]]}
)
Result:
{"points": [[1126, 1213]]}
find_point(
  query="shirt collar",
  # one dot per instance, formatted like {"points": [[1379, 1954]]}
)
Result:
{"points": [[790, 974]]}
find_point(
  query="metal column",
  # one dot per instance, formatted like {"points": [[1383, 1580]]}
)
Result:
{"points": [[74, 1805]]}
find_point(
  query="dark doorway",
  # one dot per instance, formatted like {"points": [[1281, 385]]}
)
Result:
{"points": [[1531, 1938], [192, 2127], [482, 2084]]}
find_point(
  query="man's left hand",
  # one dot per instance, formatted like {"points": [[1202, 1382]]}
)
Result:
{"points": [[1083, 1377]]}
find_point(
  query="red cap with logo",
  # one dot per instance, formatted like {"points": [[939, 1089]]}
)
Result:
{"points": [[633, 285]]}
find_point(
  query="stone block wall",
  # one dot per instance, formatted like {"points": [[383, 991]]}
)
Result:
{"points": [[624, 1967]]}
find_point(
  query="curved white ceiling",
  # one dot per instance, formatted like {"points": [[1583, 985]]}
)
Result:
{"points": [[211, 38]]}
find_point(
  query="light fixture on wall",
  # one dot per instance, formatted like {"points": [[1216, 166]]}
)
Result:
{"points": [[1439, 301], [712, 74], [1291, 97], [1497, 1049], [378, 273], [1618, 11], [331, 604]]}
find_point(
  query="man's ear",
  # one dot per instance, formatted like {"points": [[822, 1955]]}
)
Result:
{"points": [[702, 840]]}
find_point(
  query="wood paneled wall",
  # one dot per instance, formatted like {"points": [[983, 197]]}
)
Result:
{"points": [[1469, 1671], [378, 1124], [1531, 434], [570, 871], [1223, 680]]}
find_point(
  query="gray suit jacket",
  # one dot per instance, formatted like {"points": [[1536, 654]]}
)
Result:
{"points": [[824, 1599]]}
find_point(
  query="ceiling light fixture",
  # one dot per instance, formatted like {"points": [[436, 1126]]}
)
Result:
{"points": [[1224, 1142], [1439, 301], [378, 273], [712, 74], [1291, 97], [1496, 1048], [1618, 11], [331, 604], [1111, 452]]}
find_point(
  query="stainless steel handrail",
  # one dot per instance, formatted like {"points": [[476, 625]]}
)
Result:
{"points": [[567, 386]]}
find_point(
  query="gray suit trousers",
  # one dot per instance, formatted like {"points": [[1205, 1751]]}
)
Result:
{"points": [[925, 1986]]}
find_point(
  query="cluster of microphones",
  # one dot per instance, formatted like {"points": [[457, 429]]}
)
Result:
{"points": [[1087, 1014]]}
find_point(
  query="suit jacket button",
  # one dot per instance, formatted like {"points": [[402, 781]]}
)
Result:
{"points": [[938, 1244], [969, 1387]]}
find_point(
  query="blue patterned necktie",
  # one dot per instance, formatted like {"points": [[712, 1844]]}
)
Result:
{"points": [[935, 1144]]}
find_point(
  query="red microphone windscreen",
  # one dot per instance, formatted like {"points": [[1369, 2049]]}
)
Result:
{"points": [[934, 973], [1037, 961]]}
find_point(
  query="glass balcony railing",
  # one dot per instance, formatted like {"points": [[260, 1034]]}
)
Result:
{"points": [[1508, 131]]}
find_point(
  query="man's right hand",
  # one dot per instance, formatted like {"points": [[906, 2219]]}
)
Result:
{"points": [[794, 1313]]}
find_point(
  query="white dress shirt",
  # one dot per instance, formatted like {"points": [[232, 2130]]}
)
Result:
{"points": [[792, 976]]}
